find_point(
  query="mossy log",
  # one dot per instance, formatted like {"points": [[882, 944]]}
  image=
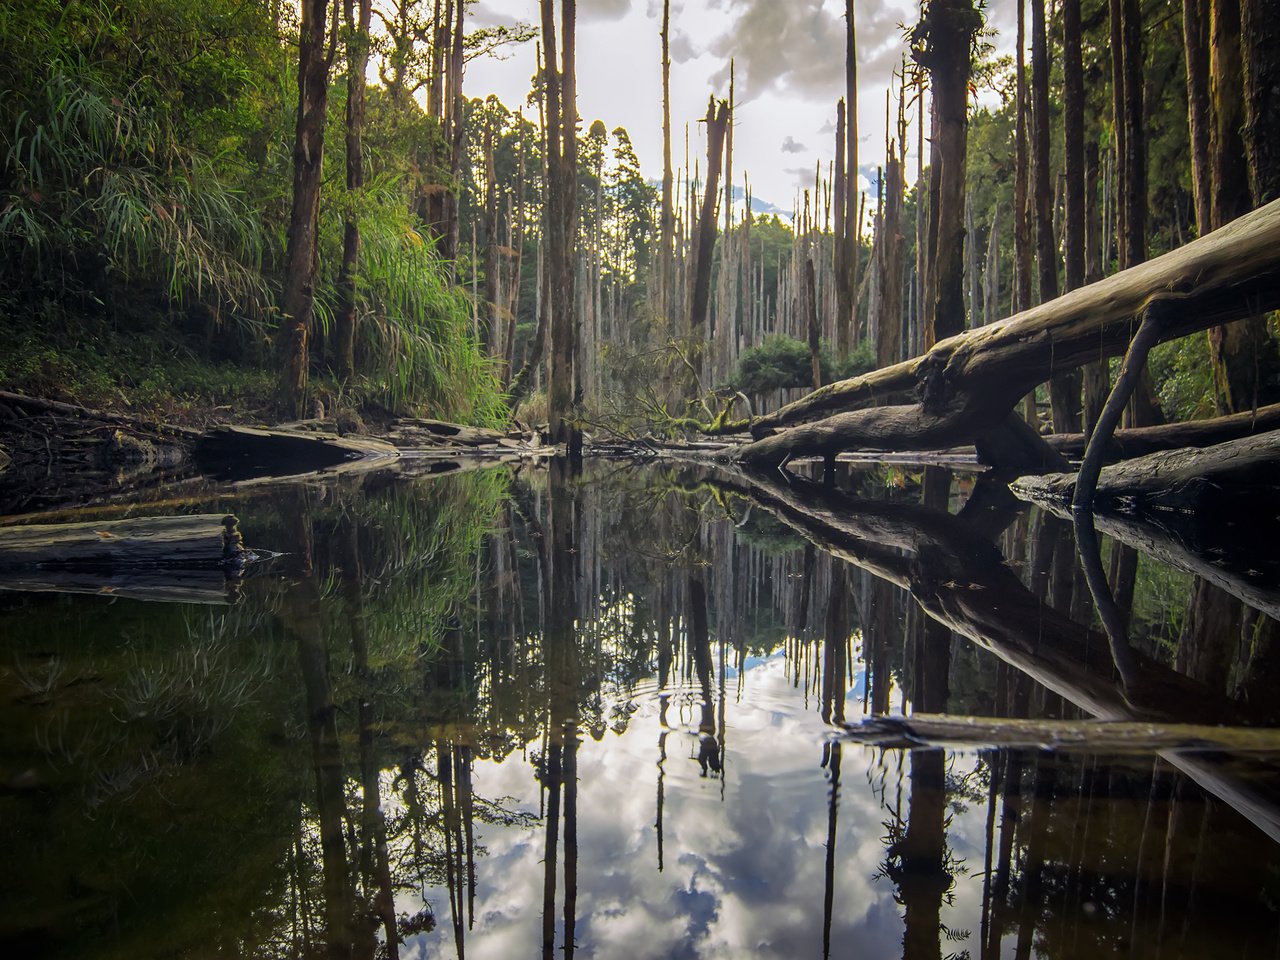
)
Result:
{"points": [[966, 385]]}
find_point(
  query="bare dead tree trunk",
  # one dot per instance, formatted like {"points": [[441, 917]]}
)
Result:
{"points": [[298, 302], [357, 64], [891, 243], [667, 219], [842, 249], [705, 240], [1021, 183]]}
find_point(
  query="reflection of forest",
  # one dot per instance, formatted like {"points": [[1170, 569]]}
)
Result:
{"points": [[321, 789]]}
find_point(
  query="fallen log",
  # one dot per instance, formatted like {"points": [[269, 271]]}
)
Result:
{"points": [[1187, 481], [238, 453], [1110, 737], [1140, 441], [967, 384], [197, 542]]}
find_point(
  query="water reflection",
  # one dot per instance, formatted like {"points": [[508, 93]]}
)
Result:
{"points": [[490, 714]]}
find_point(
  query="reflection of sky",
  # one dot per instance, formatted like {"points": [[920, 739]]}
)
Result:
{"points": [[743, 873]]}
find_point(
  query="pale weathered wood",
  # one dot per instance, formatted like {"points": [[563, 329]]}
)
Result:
{"points": [[202, 541], [1069, 736]]}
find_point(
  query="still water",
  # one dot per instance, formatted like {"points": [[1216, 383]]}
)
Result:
{"points": [[506, 714]]}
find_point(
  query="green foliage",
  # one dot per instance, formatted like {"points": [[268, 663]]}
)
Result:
{"points": [[145, 183], [782, 361]]}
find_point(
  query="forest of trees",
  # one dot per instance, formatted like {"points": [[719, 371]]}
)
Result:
{"points": [[276, 208]]}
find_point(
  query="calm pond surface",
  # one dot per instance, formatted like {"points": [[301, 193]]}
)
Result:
{"points": [[500, 714]]}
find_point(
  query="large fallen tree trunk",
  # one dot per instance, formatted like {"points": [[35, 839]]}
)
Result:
{"points": [[188, 559], [966, 385], [1187, 481], [1212, 512], [201, 541]]}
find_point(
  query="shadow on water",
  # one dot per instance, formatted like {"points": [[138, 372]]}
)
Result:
{"points": [[654, 713]]}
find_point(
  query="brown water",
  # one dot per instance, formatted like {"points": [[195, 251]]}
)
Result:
{"points": [[492, 715]]}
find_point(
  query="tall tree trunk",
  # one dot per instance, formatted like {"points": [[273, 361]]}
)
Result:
{"points": [[890, 242], [1096, 375], [1260, 30], [298, 303], [1021, 181], [853, 217], [1195, 30], [842, 249], [667, 219], [1235, 347], [357, 64], [704, 244], [949, 27]]}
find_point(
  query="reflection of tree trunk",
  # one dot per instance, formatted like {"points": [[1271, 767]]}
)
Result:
{"points": [[700, 655], [570, 836], [829, 869], [834, 668], [303, 618], [375, 859], [922, 876], [1033, 870], [551, 783]]}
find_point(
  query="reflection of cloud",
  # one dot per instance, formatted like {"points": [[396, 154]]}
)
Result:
{"points": [[743, 869], [589, 10], [791, 145], [798, 46]]}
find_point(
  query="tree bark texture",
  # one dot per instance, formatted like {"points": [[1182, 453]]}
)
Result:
{"points": [[298, 302], [357, 63]]}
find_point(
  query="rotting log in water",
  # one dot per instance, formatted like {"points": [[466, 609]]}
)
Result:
{"points": [[1191, 510], [1062, 736], [1186, 481], [967, 384], [194, 559], [231, 453]]}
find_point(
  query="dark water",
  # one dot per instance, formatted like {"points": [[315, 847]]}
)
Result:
{"points": [[492, 715]]}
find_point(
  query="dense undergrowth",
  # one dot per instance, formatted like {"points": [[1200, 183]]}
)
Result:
{"points": [[145, 177]]}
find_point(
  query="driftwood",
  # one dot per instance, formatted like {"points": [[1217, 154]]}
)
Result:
{"points": [[967, 385]]}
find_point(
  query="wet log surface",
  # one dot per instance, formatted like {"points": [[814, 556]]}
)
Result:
{"points": [[1189, 481], [201, 541]]}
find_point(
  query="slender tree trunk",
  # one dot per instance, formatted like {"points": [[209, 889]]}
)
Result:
{"points": [[1096, 375], [842, 249], [1260, 30], [298, 303], [704, 244], [852, 224], [666, 236], [891, 243], [357, 63], [1195, 30], [1021, 182]]}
